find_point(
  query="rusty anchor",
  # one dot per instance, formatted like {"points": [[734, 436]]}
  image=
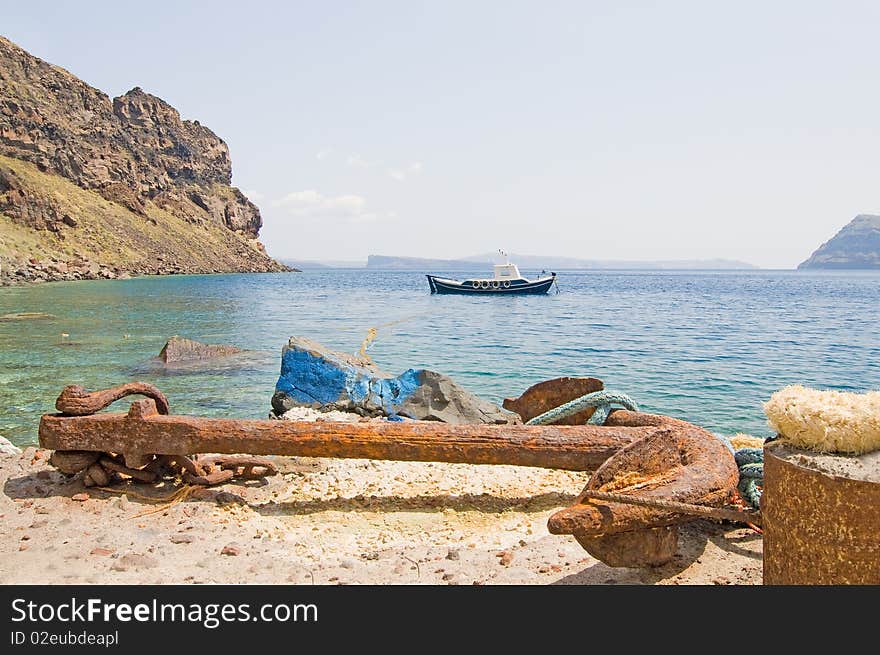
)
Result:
{"points": [[651, 472]]}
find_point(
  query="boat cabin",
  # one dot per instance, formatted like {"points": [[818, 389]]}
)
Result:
{"points": [[507, 272]]}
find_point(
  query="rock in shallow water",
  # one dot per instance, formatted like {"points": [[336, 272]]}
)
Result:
{"points": [[178, 349], [26, 316], [317, 377]]}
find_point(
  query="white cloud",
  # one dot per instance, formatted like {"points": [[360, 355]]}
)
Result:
{"points": [[400, 174], [311, 204], [324, 153], [253, 196], [356, 161]]}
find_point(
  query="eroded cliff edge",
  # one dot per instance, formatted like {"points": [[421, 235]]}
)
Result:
{"points": [[97, 187]]}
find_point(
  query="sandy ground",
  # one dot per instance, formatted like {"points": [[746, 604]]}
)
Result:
{"points": [[331, 522]]}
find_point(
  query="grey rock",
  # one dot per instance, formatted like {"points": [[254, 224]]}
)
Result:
{"points": [[179, 349], [439, 398]]}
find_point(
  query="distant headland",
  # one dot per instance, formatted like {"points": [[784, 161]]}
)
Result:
{"points": [[856, 246], [97, 188]]}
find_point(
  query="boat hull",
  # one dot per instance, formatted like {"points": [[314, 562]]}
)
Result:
{"points": [[444, 286]]}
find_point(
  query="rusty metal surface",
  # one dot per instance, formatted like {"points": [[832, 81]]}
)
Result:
{"points": [[73, 461], [243, 468], [749, 517], [679, 462], [819, 528], [639, 548], [576, 448], [546, 395], [76, 401]]}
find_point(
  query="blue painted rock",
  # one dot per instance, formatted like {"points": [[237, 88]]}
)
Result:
{"points": [[314, 376]]}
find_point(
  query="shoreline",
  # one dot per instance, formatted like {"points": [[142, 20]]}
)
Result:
{"points": [[121, 274]]}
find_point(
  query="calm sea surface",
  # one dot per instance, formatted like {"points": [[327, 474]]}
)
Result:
{"points": [[708, 347]]}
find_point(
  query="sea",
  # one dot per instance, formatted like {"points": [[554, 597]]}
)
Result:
{"points": [[709, 347]]}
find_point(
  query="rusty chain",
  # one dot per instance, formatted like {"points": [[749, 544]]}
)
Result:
{"points": [[102, 469]]}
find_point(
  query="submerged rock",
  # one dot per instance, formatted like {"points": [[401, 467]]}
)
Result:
{"points": [[26, 316], [317, 377], [178, 349]]}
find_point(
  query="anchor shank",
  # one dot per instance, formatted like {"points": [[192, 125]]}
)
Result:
{"points": [[575, 448]]}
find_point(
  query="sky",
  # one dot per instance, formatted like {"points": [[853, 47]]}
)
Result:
{"points": [[599, 130]]}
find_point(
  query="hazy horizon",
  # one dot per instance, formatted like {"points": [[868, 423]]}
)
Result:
{"points": [[609, 132], [471, 259]]}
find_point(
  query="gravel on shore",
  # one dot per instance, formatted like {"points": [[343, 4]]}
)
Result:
{"points": [[330, 521]]}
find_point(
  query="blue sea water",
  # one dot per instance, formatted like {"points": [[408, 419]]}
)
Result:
{"points": [[708, 347]]}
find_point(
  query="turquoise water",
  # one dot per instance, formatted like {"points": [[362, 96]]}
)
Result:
{"points": [[708, 347]]}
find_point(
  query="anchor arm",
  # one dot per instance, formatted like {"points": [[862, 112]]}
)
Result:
{"points": [[76, 401]]}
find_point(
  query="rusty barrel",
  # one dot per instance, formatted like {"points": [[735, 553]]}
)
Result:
{"points": [[821, 516]]}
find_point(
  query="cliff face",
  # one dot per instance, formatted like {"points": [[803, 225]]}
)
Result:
{"points": [[855, 246], [133, 152]]}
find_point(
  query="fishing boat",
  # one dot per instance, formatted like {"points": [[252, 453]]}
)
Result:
{"points": [[506, 280]]}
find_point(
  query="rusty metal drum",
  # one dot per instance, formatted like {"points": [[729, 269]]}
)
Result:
{"points": [[821, 517]]}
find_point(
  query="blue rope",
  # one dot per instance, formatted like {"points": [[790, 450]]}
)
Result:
{"points": [[601, 400], [750, 462]]}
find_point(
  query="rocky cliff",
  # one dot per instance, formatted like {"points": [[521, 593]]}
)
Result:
{"points": [[94, 187], [855, 246]]}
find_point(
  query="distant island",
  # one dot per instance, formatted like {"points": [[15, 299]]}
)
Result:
{"points": [[484, 262], [855, 246], [312, 264], [389, 263], [94, 187]]}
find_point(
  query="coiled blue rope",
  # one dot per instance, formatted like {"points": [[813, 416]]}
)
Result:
{"points": [[749, 461], [751, 474]]}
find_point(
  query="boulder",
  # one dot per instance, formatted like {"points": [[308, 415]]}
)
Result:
{"points": [[178, 349], [314, 376]]}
